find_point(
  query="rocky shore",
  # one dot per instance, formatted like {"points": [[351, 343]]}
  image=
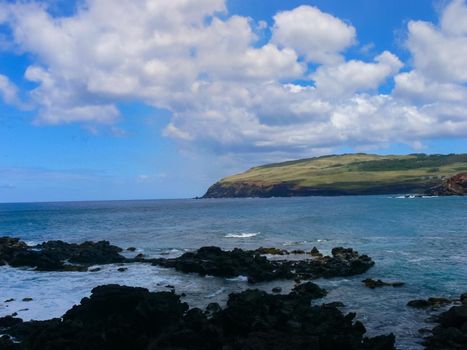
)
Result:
{"points": [[213, 261], [119, 317], [451, 332], [58, 255], [257, 268]]}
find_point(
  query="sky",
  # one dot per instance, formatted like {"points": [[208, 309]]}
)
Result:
{"points": [[143, 99]]}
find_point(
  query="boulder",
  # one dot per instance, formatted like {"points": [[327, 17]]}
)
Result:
{"points": [[451, 333], [371, 283]]}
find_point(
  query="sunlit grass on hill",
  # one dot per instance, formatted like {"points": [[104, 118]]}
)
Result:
{"points": [[352, 171]]}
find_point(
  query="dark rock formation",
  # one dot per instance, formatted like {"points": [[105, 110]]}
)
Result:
{"points": [[117, 317], [371, 283], [217, 262], [453, 186], [57, 255], [286, 189], [430, 302], [451, 333], [271, 251]]}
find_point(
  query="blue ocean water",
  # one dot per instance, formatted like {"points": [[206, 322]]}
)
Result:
{"points": [[420, 241]]}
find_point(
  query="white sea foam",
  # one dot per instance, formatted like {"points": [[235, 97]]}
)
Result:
{"points": [[242, 235], [238, 279], [53, 293], [32, 243], [216, 293]]}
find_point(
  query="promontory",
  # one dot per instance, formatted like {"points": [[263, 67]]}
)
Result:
{"points": [[349, 174]]}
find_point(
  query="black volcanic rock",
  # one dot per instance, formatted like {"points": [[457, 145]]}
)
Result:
{"points": [[118, 317], [451, 333], [62, 256], [371, 283], [430, 302], [58, 255], [217, 262]]}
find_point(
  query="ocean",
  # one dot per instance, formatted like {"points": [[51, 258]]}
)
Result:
{"points": [[419, 241]]}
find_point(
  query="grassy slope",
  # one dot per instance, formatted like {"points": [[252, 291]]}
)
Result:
{"points": [[353, 171]]}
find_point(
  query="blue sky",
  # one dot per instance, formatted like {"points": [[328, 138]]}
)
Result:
{"points": [[140, 99]]}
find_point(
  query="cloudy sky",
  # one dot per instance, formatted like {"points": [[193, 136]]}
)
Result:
{"points": [[122, 99]]}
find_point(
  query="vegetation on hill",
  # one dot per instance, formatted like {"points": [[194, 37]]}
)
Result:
{"points": [[343, 174]]}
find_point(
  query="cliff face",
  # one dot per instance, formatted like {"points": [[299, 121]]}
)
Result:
{"points": [[453, 186], [348, 174], [245, 190]]}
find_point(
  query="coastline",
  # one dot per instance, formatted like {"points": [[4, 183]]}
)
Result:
{"points": [[300, 295]]}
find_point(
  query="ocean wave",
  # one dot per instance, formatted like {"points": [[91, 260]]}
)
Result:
{"points": [[242, 235], [238, 279], [216, 293], [294, 243]]}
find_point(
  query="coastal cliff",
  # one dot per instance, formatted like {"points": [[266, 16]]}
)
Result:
{"points": [[348, 174], [453, 186]]}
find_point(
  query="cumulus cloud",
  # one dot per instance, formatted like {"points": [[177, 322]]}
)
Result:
{"points": [[347, 78], [319, 36], [230, 92]]}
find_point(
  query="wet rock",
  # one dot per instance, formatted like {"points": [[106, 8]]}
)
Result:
{"points": [[214, 261], [27, 299], [334, 304], [9, 321], [297, 251], [213, 309], [9, 300], [371, 283], [430, 302], [451, 333], [139, 256], [95, 269], [463, 298], [309, 290], [276, 290], [315, 252], [131, 249], [272, 251], [119, 317], [58, 255], [6, 343]]}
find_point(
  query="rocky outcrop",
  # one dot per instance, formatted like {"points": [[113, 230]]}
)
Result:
{"points": [[453, 186], [451, 333], [433, 302], [214, 261], [118, 317], [371, 283], [58, 255]]}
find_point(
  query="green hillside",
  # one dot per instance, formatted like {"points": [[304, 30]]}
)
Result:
{"points": [[342, 174]]}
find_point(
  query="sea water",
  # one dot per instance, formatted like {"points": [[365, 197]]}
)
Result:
{"points": [[419, 241]]}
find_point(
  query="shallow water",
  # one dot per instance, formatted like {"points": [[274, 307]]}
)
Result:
{"points": [[420, 241]]}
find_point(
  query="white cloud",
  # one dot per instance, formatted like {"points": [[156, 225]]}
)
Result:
{"points": [[229, 92], [440, 53], [319, 36], [347, 78], [454, 19], [8, 91]]}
